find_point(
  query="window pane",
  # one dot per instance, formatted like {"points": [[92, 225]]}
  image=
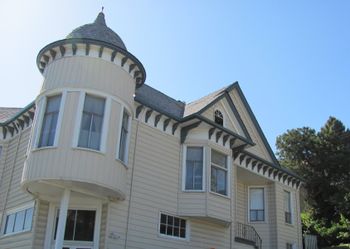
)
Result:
{"points": [[256, 198], [218, 158], [163, 219], [85, 224], [162, 229], [69, 232], [10, 222], [19, 221], [287, 206], [28, 219], [48, 129], [123, 136], [213, 180], [172, 226], [91, 123], [194, 168], [221, 181]]}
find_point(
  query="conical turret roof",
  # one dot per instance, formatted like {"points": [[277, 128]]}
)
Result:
{"points": [[98, 30]]}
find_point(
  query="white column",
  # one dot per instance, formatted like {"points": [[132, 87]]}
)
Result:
{"points": [[62, 219]]}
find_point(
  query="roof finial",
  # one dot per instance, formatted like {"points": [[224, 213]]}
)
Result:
{"points": [[102, 9]]}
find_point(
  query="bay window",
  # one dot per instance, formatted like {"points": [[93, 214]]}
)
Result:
{"points": [[219, 172]]}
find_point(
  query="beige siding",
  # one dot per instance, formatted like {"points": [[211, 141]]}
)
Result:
{"points": [[192, 204], [40, 223], [259, 149], [89, 73], [287, 233]]}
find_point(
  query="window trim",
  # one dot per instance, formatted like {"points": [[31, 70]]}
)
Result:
{"points": [[121, 115], [184, 167], [79, 204], [16, 210], [228, 175], [265, 203], [187, 232], [42, 103], [105, 121]]}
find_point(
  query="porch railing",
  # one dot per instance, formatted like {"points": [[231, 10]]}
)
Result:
{"points": [[247, 234]]}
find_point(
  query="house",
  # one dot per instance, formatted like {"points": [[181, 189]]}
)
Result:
{"points": [[102, 160]]}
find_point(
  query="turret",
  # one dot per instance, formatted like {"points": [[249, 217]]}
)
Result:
{"points": [[83, 117]]}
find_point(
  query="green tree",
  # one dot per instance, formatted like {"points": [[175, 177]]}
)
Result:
{"points": [[323, 159]]}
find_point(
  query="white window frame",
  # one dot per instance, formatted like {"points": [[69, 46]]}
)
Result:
{"points": [[84, 205], [291, 200], [105, 121], [228, 175], [16, 210], [41, 113], [184, 148], [265, 203], [126, 157], [187, 238]]}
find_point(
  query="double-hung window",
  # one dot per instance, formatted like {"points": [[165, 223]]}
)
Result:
{"points": [[219, 173], [91, 123], [194, 168], [49, 124], [124, 137], [287, 207], [256, 204], [19, 221]]}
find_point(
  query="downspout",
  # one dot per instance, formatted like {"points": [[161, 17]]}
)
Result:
{"points": [[131, 185]]}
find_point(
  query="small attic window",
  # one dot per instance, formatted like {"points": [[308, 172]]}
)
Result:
{"points": [[218, 118]]}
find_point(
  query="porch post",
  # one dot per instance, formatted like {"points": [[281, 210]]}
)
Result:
{"points": [[62, 219]]}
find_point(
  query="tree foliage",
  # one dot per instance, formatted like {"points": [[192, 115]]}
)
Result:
{"points": [[322, 159]]}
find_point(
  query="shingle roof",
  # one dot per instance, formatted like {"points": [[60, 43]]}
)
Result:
{"points": [[98, 30], [199, 104], [8, 112], [159, 101]]}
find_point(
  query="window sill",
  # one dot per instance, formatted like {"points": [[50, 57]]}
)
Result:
{"points": [[258, 222], [163, 236], [122, 162], [289, 224], [221, 195], [193, 191], [44, 148], [88, 149], [15, 234]]}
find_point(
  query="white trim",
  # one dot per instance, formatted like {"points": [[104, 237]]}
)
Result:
{"points": [[291, 201], [78, 204], [105, 124], [38, 120], [60, 118], [187, 238], [265, 203], [89, 91], [79, 115], [228, 173], [184, 148], [123, 109]]}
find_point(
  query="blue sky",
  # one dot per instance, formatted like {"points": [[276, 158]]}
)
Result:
{"points": [[291, 58]]}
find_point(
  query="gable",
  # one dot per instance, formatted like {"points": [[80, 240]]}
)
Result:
{"points": [[231, 120], [261, 148]]}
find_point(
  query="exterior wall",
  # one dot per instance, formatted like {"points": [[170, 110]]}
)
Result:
{"points": [[11, 195], [89, 73], [40, 224], [259, 149], [287, 233]]}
